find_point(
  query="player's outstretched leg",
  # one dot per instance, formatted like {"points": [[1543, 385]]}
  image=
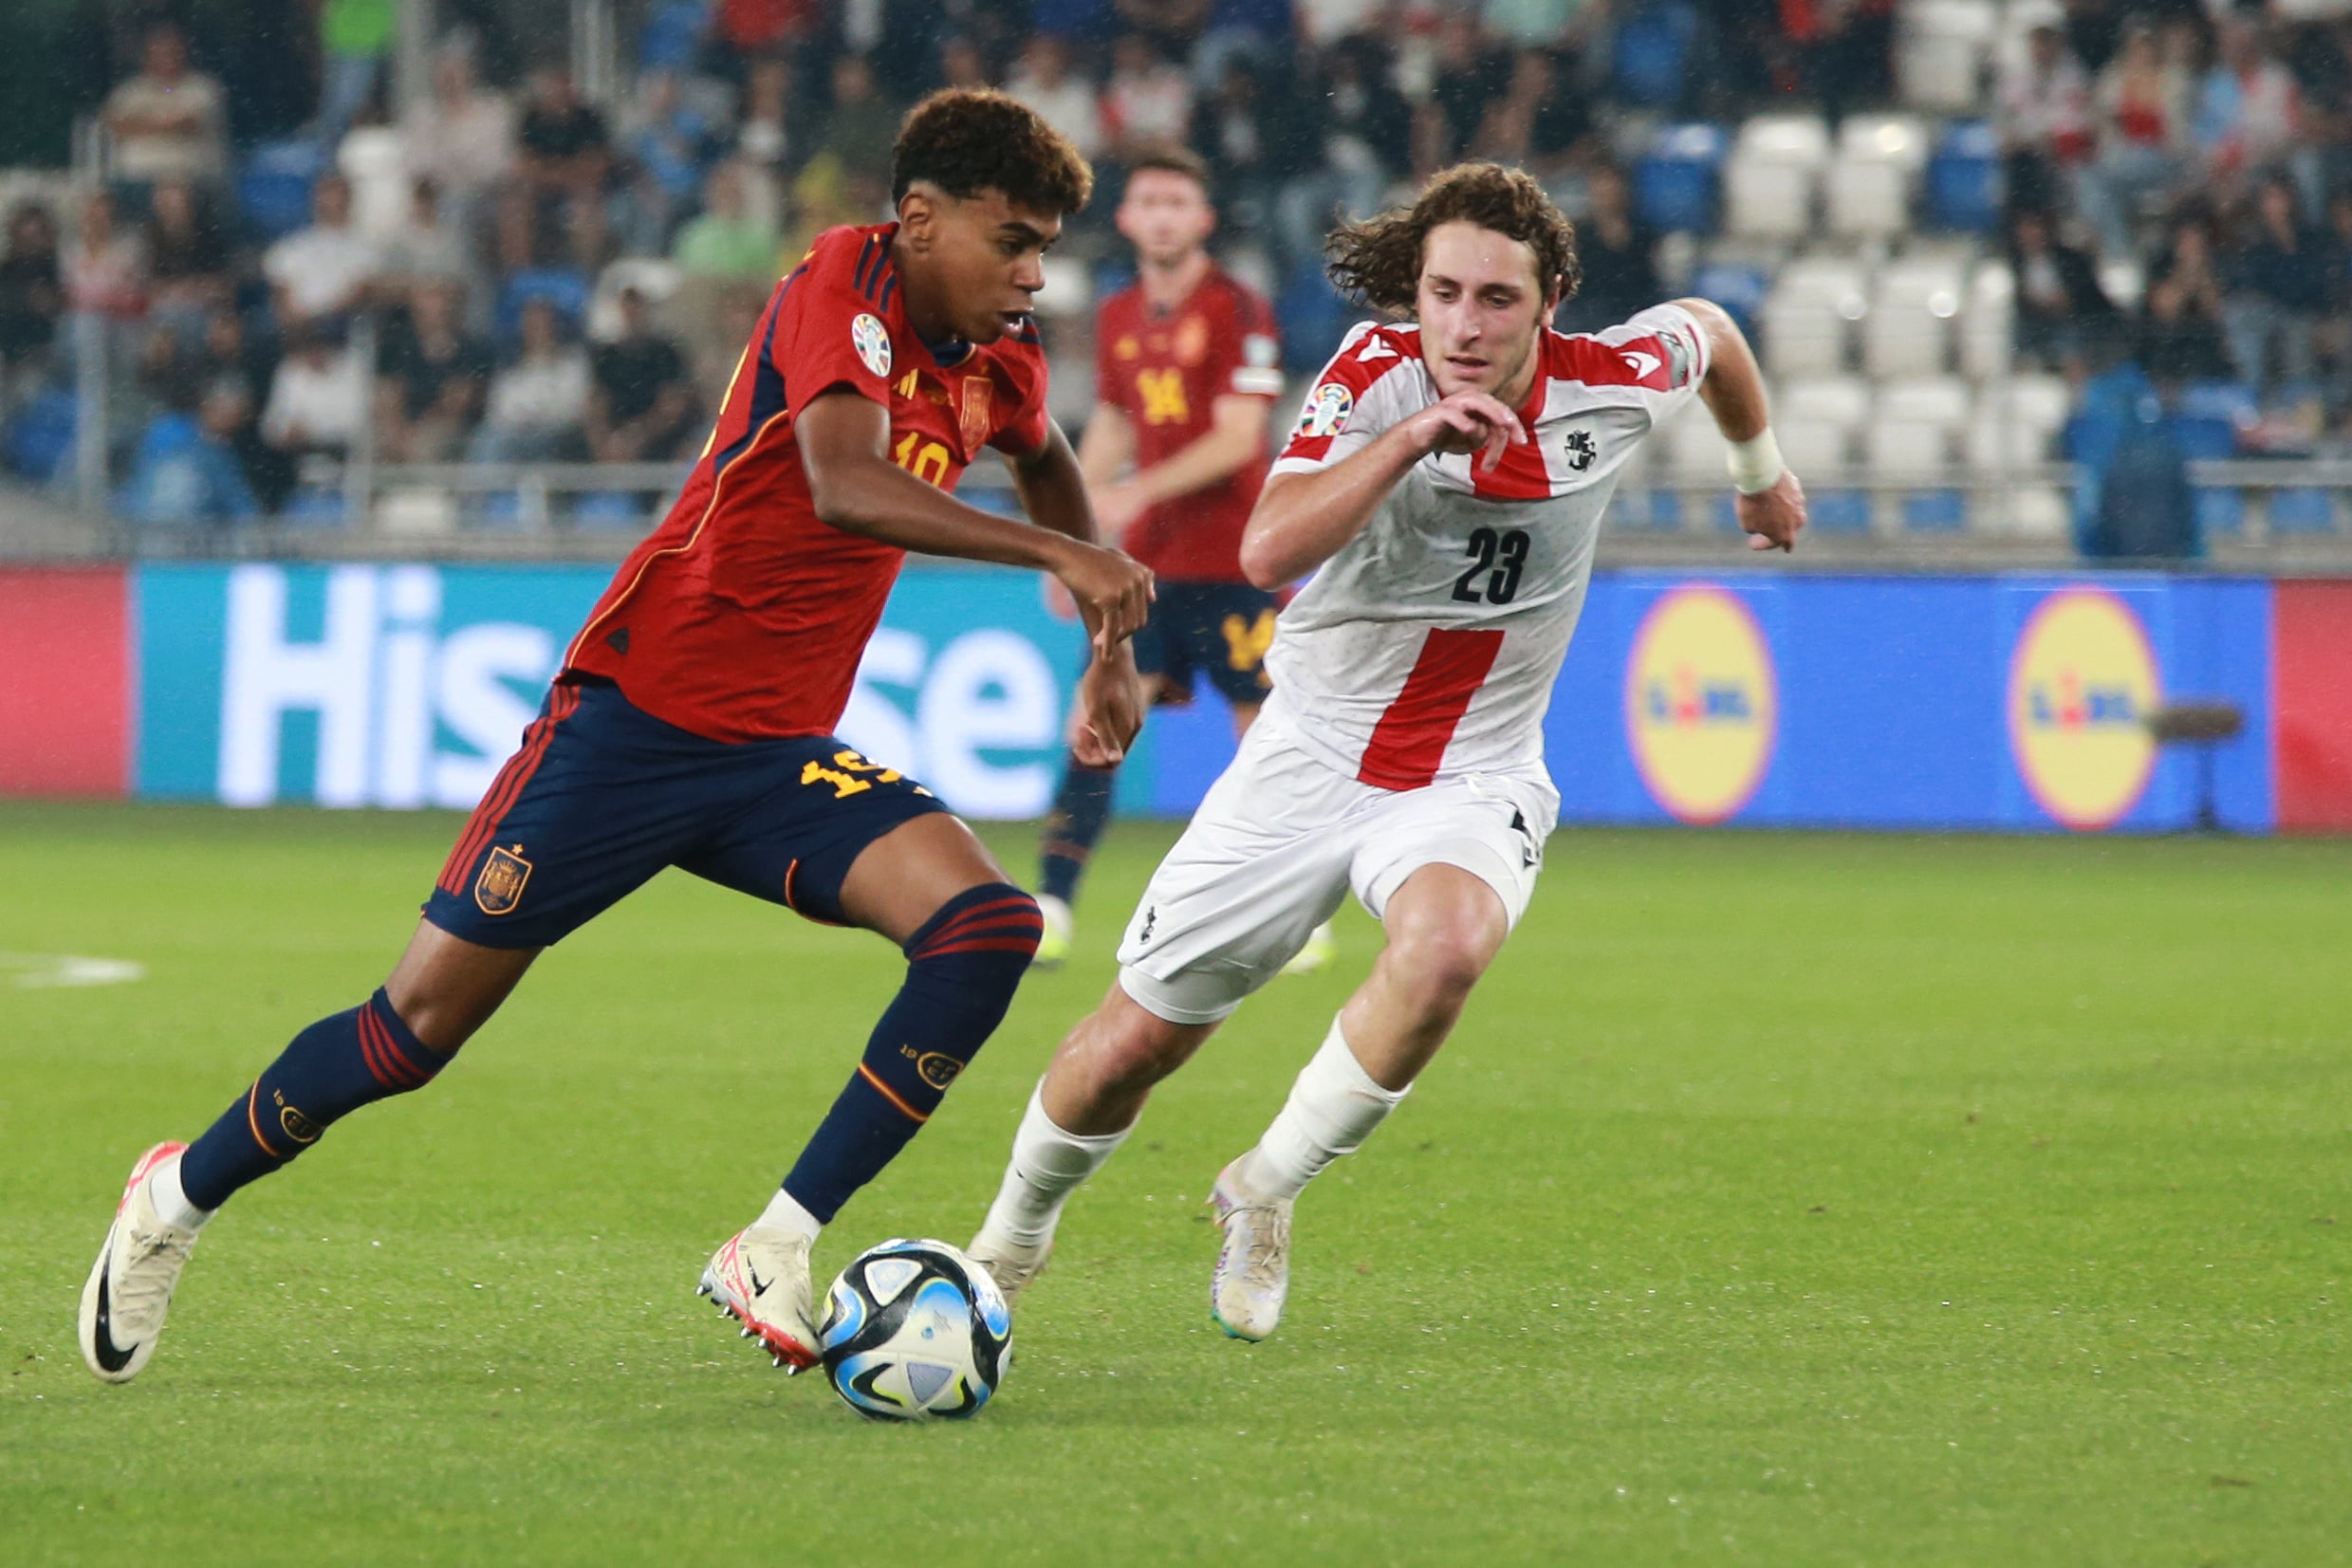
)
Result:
{"points": [[1444, 928], [1083, 1109], [445, 987], [1081, 808], [968, 935]]}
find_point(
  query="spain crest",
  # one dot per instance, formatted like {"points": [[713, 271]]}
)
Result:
{"points": [[500, 886], [978, 412]]}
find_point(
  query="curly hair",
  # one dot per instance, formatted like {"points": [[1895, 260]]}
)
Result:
{"points": [[967, 140], [1379, 260]]}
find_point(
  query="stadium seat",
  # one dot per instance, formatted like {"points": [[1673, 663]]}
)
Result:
{"points": [[374, 160], [1963, 180], [1739, 289], [416, 511], [1807, 318], [1938, 401], [1774, 168], [1652, 50], [1821, 452], [2016, 422], [1908, 330], [2302, 509], [40, 438], [1673, 183], [1839, 402], [1941, 50], [274, 188], [1988, 323], [612, 509], [671, 36], [559, 286], [313, 506]]}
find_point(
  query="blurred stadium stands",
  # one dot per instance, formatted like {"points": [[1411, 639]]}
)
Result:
{"points": [[1974, 240]]}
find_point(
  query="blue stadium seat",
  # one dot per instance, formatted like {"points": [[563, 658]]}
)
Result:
{"points": [[1739, 289], [2220, 510], [1674, 183], [559, 286], [40, 439], [672, 37], [273, 186], [610, 509], [1837, 511], [1963, 180], [2304, 509], [1935, 511], [313, 506], [1653, 52]]}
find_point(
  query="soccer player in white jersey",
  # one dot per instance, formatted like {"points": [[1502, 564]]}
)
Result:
{"points": [[1445, 487]]}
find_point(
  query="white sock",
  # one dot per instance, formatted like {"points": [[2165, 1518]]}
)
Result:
{"points": [[783, 1212], [1048, 1164], [171, 1199], [1332, 1109]]}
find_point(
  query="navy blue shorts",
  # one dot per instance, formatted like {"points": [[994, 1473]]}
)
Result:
{"points": [[1220, 627], [602, 795]]}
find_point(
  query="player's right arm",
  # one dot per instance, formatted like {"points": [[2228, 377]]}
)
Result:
{"points": [[844, 442], [1770, 506], [1304, 519]]}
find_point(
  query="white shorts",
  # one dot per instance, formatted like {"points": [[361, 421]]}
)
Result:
{"points": [[1278, 843]]}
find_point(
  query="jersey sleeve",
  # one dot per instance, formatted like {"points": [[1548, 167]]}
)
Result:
{"points": [[1113, 387], [1347, 407], [828, 333], [1255, 369], [1667, 349], [1026, 426]]}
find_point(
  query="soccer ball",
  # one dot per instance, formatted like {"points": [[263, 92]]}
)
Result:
{"points": [[915, 1330]]}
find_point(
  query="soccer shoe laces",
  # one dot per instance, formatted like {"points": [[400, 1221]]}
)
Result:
{"points": [[151, 1267], [1264, 1254]]}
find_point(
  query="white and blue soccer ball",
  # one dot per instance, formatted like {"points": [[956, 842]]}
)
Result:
{"points": [[915, 1330]]}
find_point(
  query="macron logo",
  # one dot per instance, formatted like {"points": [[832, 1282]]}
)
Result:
{"points": [[1645, 365]]}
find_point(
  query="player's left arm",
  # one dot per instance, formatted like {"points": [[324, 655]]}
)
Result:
{"points": [[1770, 504], [1235, 437], [1052, 487]]}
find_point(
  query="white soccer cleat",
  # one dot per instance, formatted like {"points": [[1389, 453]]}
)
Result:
{"points": [[1053, 947], [1321, 948], [760, 1279], [1014, 1267], [130, 1287], [1252, 1276]]}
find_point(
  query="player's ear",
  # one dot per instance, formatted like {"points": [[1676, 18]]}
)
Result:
{"points": [[918, 218]]}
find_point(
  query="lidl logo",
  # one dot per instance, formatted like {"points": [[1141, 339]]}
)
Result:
{"points": [[1701, 705], [2081, 687]]}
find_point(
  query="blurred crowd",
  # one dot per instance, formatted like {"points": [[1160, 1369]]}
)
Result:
{"points": [[512, 273]]}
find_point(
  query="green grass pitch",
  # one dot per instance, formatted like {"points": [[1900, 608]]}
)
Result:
{"points": [[1781, 1199]]}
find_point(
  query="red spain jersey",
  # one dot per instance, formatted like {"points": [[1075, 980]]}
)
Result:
{"points": [[743, 615], [1165, 370]]}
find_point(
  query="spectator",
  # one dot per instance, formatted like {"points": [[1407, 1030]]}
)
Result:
{"points": [[106, 267], [1237, 133], [1147, 101], [166, 122], [861, 130], [187, 259], [1325, 23], [1846, 51], [962, 64], [32, 298], [2179, 337], [433, 380], [666, 145], [2140, 122], [567, 150], [1362, 128], [462, 137], [324, 271], [2248, 109], [1535, 124], [319, 397], [428, 247], [538, 402], [2043, 118], [1171, 26], [762, 134], [1618, 255], [230, 354], [1472, 75], [2093, 30], [187, 469], [1066, 101], [728, 241], [2061, 314], [642, 402], [354, 37], [2282, 281]]}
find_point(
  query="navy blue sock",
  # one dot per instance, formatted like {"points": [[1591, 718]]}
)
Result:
{"points": [[331, 1069], [962, 967], [1081, 808]]}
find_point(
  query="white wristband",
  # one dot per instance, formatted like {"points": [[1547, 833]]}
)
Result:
{"points": [[1755, 463]]}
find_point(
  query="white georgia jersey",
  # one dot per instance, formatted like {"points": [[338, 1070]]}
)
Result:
{"points": [[1429, 644]]}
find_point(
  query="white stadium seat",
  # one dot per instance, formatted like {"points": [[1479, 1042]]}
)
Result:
{"points": [[2016, 420], [1900, 139], [1908, 331], [1770, 179], [1696, 451], [1940, 52], [1808, 316], [1815, 450], [1939, 401], [1988, 324], [1842, 402], [1870, 181]]}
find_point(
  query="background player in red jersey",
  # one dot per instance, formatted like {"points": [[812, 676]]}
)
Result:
{"points": [[691, 722], [1186, 366]]}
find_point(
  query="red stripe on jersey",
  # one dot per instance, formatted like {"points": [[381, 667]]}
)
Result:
{"points": [[1409, 743], [1640, 362], [1520, 474], [1355, 369]]}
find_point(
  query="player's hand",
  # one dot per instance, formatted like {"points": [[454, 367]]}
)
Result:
{"points": [[1112, 589], [1774, 518], [1469, 421], [1111, 705], [1116, 508], [1059, 603]]}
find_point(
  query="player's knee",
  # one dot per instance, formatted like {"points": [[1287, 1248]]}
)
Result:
{"points": [[1437, 963], [985, 934]]}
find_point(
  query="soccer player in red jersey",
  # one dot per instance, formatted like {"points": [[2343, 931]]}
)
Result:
{"points": [[1187, 365], [691, 722]]}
